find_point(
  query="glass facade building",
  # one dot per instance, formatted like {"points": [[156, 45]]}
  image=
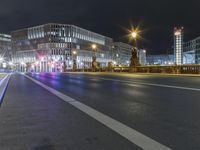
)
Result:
{"points": [[122, 53], [142, 57], [5, 46], [193, 48], [160, 59], [47, 47]]}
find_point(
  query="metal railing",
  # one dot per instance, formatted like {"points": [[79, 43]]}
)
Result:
{"points": [[174, 69]]}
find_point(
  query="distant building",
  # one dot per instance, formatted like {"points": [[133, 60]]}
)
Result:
{"points": [[5, 44], [5, 51], [178, 46], [160, 59], [122, 53], [142, 57], [188, 58], [193, 48], [47, 47]]}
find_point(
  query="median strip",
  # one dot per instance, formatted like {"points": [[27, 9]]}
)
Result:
{"points": [[132, 135]]}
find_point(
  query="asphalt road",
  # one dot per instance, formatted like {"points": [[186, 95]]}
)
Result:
{"points": [[164, 108]]}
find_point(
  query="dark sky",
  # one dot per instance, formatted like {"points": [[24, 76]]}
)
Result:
{"points": [[156, 18]]}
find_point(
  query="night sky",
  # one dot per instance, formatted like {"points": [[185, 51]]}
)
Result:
{"points": [[112, 18]]}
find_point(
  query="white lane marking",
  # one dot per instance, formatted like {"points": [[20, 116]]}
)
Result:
{"points": [[3, 86], [150, 84], [132, 135]]}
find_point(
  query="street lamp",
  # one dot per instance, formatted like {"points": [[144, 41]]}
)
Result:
{"points": [[94, 62], [134, 34], [74, 54], [134, 57], [94, 46]]}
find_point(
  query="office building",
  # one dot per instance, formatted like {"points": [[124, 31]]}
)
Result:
{"points": [[142, 56], [5, 46], [192, 48], [160, 59], [51, 47], [5, 51], [122, 53]]}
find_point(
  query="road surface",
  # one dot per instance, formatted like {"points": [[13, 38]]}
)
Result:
{"points": [[163, 108]]}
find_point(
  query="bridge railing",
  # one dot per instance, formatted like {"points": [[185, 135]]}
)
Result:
{"points": [[174, 69]]}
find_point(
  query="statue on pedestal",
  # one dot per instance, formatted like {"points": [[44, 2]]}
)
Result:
{"points": [[134, 62]]}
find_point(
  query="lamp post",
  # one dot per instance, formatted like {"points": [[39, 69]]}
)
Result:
{"points": [[64, 63], [94, 61], [74, 55], [134, 57]]}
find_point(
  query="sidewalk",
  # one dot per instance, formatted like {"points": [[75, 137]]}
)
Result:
{"points": [[33, 119]]}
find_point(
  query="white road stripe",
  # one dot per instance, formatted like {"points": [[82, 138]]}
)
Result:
{"points": [[3, 86], [150, 84], [132, 135]]}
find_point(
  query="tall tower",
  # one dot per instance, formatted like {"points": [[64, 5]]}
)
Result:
{"points": [[178, 45]]}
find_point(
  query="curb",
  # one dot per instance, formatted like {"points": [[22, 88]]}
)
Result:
{"points": [[3, 86]]}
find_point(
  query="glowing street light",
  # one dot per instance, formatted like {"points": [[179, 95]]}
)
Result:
{"points": [[74, 57], [134, 34], [94, 57], [94, 46], [74, 52]]}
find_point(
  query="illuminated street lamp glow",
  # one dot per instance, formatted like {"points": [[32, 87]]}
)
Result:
{"points": [[94, 46], [134, 34], [74, 52]]}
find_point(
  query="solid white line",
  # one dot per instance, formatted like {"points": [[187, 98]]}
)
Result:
{"points": [[3, 85], [132, 135], [150, 84]]}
